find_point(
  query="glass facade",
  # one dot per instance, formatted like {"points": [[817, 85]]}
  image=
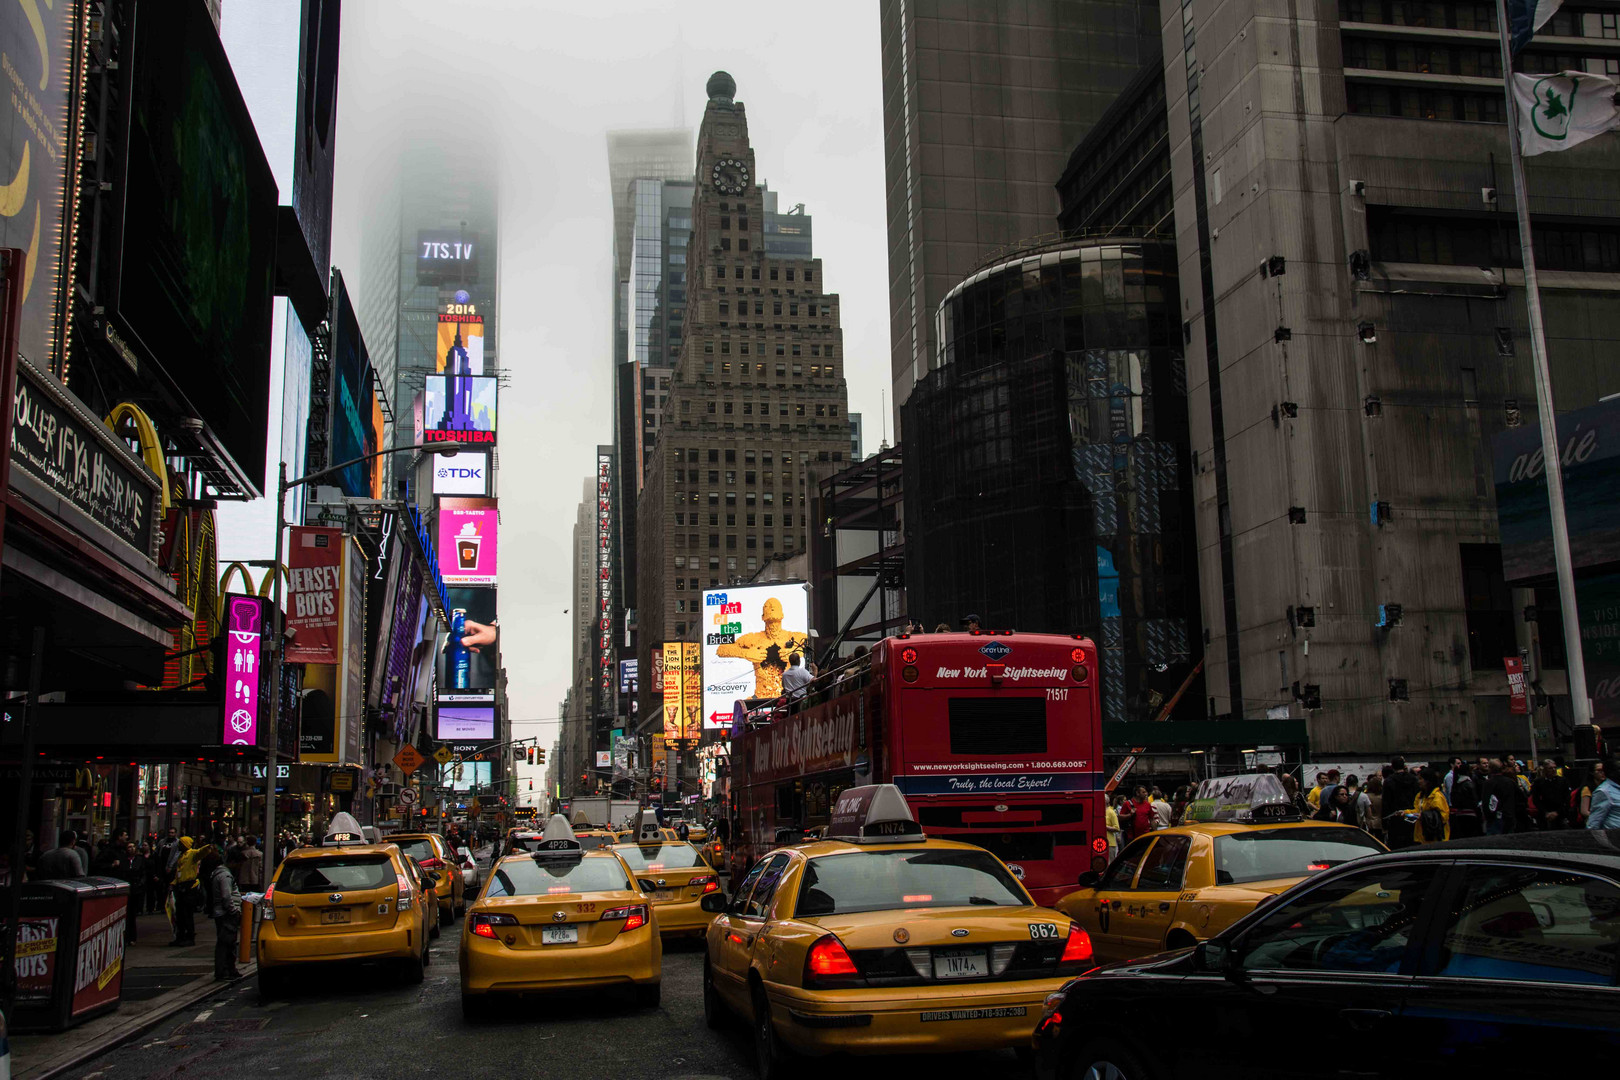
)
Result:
{"points": [[1056, 494]]}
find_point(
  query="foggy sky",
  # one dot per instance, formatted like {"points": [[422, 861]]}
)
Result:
{"points": [[552, 79]]}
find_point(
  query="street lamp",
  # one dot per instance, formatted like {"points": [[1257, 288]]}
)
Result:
{"points": [[283, 485]]}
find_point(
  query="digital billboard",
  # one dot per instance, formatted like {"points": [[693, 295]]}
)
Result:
{"points": [[466, 717], [198, 250], [447, 257], [315, 133], [682, 663], [750, 632], [38, 47], [459, 408], [465, 473], [314, 595], [353, 396], [469, 541], [461, 340], [1590, 447], [248, 700], [479, 604]]}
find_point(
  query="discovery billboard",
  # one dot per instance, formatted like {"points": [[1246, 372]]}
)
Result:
{"points": [[750, 632]]}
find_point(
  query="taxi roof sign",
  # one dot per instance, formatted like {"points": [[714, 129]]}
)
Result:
{"points": [[343, 830], [650, 829], [1250, 798], [874, 812], [558, 841]]}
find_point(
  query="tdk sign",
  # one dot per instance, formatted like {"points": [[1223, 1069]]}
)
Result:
{"points": [[995, 650], [467, 473]]}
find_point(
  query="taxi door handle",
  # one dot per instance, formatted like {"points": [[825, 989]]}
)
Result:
{"points": [[1364, 1020]]}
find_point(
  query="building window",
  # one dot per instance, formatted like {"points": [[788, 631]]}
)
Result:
{"points": [[680, 628], [773, 275], [742, 243], [725, 245], [1488, 607], [714, 540]]}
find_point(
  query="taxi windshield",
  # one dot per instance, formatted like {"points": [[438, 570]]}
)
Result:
{"points": [[345, 873], [419, 848], [526, 841], [526, 877], [587, 842], [659, 856], [1266, 854], [915, 878]]}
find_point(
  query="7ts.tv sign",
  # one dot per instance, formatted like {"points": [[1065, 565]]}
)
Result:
{"points": [[465, 473]]}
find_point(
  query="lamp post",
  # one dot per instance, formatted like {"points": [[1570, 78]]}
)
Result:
{"points": [[284, 485]]}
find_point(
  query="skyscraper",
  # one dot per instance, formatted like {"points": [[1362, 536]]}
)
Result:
{"points": [[756, 406], [982, 104], [637, 155]]}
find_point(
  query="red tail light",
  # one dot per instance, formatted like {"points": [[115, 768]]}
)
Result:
{"points": [[267, 905], [1099, 845], [431, 864], [829, 957], [634, 916], [484, 925], [708, 882], [1077, 951]]}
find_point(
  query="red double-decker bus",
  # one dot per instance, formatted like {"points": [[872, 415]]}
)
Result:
{"points": [[995, 739]]}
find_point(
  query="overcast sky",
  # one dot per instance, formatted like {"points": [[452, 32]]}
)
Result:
{"points": [[552, 79]]}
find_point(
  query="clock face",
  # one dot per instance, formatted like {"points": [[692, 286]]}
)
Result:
{"points": [[730, 176]]}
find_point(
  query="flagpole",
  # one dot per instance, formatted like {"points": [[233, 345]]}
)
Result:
{"points": [[1550, 450]]}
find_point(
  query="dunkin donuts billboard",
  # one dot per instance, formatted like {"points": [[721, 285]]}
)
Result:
{"points": [[469, 541]]}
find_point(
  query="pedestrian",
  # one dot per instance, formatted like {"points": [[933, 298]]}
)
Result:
{"points": [[1463, 798], [1125, 810], [156, 886], [1291, 789], [1605, 813], [1336, 805], [252, 874], [971, 624], [233, 858], [224, 905], [1551, 794], [1314, 796], [182, 894], [62, 861], [1142, 813], [1400, 791], [1594, 778], [1373, 800], [1431, 815], [135, 874], [1111, 825], [1498, 800], [795, 678], [1163, 813]]}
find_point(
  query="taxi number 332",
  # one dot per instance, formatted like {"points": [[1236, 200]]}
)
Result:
{"points": [[1042, 931]]}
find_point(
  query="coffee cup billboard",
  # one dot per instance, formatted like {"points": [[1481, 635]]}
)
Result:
{"points": [[468, 541]]}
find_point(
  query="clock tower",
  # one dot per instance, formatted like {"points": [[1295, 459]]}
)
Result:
{"points": [[756, 412]]}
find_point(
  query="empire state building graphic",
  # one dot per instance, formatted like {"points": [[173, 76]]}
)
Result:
{"points": [[458, 388]]}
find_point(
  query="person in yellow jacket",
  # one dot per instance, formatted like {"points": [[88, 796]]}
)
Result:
{"points": [[1431, 796], [184, 893]]}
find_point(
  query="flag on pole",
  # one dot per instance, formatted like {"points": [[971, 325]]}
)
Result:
{"points": [[1558, 111], [1525, 17]]}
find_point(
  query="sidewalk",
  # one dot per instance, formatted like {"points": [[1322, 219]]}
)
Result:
{"points": [[158, 982]]}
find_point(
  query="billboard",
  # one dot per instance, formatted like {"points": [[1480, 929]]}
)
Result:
{"points": [[314, 587], [469, 541], [33, 152], [749, 634], [464, 717], [447, 256], [605, 701], [459, 408], [198, 249], [352, 396], [627, 676], [248, 699], [351, 685], [682, 663], [315, 130], [317, 704], [465, 473], [479, 604], [1590, 448], [461, 340]]}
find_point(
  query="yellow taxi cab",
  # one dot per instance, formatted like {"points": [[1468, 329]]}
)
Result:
{"points": [[880, 940], [433, 854], [1242, 844], [560, 918], [680, 875], [696, 833], [346, 900]]}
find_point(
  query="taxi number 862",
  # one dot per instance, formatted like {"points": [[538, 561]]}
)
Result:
{"points": [[1042, 931]]}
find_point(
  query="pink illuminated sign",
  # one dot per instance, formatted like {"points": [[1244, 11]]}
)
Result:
{"points": [[244, 624]]}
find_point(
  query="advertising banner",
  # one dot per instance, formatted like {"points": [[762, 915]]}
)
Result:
{"points": [[247, 676], [1518, 697], [466, 716], [1589, 441], [459, 408], [317, 728], [603, 616], [469, 540], [604, 759], [351, 704], [353, 396], [479, 604], [461, 341], [750, 633], [446, 256], [627, 676], [466, 473], [314, 584], [99, 978], [36, 957]]}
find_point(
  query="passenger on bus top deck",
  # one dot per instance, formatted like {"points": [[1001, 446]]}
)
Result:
{"points": [[971, 623]]}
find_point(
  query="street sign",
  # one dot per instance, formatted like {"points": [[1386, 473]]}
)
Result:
{"points": [[406, 797], [408, 759], [442, 755], [1119, 773]]}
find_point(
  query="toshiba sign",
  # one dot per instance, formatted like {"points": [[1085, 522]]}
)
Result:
{"points": [[467, 473], [484, 438]]}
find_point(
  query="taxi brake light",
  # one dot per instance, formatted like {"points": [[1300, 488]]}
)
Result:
{"points": [[1318, 866], [918, 898], [268, 903], [484, 925], [634, 916], [829, 957], [1077, 950], [403, 900], [557, 890], [431, 864], [655, 866]]}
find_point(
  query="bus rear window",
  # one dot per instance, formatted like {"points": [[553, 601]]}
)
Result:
{"points": [[1000, 725]]}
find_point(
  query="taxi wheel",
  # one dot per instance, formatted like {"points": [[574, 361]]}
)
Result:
{"points": [[1105, 1059], [772, 1058], [713, 1008]]}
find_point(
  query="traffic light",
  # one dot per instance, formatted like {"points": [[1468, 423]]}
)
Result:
{"points": [[531, 755], [540, 756]]}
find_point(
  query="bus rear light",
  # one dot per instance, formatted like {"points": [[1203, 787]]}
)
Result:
{"points": [[909, 673], [1078, 656], [997, 672], [1078, 673], [909, 656], [1099, 845]]}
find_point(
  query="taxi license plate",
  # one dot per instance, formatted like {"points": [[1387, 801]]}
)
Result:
{"points": [[967, 964], [559, 935], [339, 916], [663, 894]]}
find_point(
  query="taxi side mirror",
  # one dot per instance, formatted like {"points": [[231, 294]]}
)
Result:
{"points": [[714, 903], [1090, 879]]}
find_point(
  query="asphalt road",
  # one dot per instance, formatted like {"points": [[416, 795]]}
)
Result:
{"points": [[359, 1023]]}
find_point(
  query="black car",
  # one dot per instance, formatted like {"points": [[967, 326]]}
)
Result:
{"points": [[1491, 956]]}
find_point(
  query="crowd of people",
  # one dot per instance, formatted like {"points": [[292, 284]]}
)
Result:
{"points": [[1403, 805]]}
